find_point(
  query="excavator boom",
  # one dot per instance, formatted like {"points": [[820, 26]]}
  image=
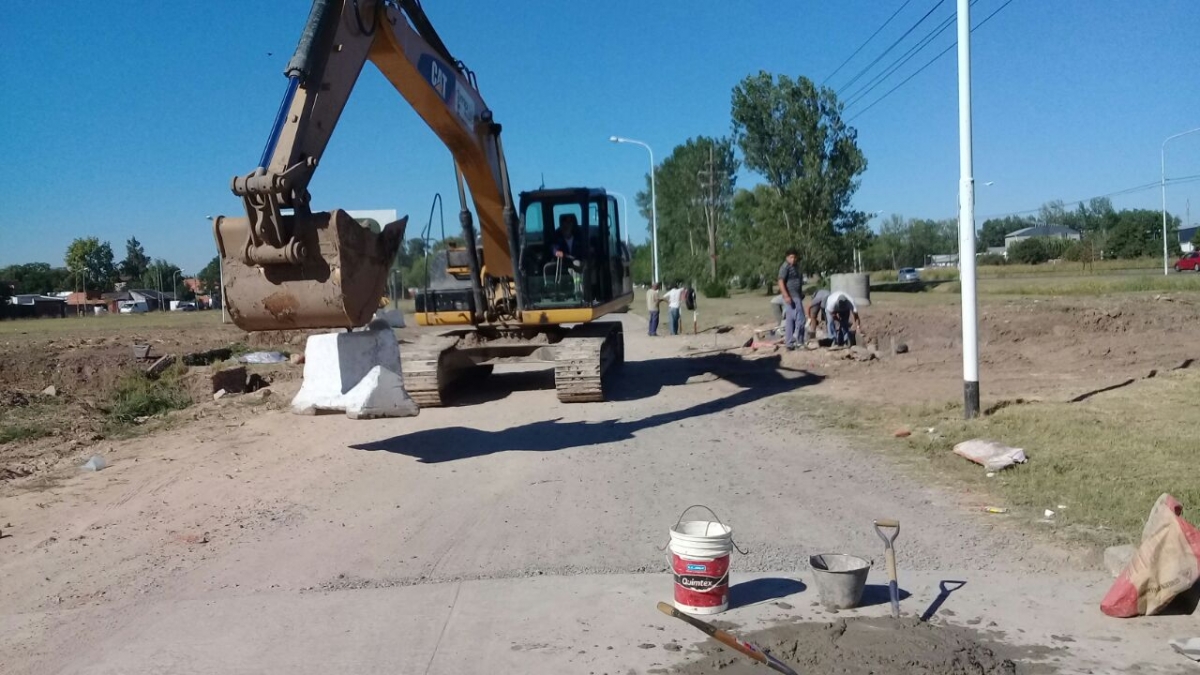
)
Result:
{"points": [[288, 267], [525, 288]]}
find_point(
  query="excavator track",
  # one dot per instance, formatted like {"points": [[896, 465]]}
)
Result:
{"points": [[582, 360], [425, 371]]}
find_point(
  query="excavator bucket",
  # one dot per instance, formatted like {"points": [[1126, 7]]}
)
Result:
{"points": [[338, 284]]}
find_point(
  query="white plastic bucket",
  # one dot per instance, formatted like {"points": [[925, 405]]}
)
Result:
{"points": [[700, 552]]}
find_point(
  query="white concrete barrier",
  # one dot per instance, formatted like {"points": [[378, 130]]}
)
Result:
{"points": [[357, 373]]}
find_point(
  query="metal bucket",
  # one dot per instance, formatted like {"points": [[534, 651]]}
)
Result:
{"points": [[338, 284], [840, 578]]}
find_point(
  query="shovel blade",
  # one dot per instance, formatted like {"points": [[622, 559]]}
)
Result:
{"points": [[338, 284]]}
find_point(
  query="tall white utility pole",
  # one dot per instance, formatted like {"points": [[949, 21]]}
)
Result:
{"points": [[1164, 193], [966, 218], [653, 200]]}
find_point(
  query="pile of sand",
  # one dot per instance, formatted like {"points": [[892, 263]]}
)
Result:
{"points": [[864, 647]]}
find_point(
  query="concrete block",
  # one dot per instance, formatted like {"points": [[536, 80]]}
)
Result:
{"points": [[357, 373], [1116, 558], [379, 394], [232, 380]]}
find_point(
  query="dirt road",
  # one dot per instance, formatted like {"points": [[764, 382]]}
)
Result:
{"points": [[508, 534]]}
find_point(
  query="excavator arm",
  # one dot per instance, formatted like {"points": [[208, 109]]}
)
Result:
{"points": [[287, 267]]}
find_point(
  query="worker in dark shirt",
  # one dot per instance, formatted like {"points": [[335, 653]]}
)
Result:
{"points": [[791, 287]]}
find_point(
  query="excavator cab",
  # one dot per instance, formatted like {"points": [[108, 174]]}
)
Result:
{"points": [[572, 254]]}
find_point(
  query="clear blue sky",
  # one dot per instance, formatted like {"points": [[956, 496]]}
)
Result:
{"points": [[129, 118]]}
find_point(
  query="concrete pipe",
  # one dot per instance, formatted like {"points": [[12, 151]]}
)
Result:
{"points": [[857, 286]]}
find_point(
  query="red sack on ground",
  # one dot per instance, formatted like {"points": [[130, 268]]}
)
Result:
{"points": [[1166, 564]]}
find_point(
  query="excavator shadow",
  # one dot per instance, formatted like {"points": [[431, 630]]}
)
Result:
{"points": [[758, 379]]}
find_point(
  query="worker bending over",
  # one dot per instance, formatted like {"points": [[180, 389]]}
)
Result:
{"points": [[842, 315], [817, 316]]}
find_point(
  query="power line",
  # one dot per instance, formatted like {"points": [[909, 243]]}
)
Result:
{"points": [[891, 46], [927, 64], [904, 58], [861, 93], [1127, 191], [860, 47]]}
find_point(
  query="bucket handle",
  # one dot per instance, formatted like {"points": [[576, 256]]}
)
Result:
{"points": [[714, 515]]}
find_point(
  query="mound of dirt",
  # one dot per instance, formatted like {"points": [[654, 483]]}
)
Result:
{"points": [[864, 647]]}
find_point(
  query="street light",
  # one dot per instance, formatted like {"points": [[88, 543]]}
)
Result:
{"points": [[653, 200], [624, 217], [1163, 183], [221, 268]]}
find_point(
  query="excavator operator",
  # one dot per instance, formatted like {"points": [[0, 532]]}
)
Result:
{"points": [[567, 242]]}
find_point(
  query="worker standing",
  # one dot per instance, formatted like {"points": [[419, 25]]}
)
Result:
{"points": [[791, 287], [653, 301], [844, 322], [674, 299]]}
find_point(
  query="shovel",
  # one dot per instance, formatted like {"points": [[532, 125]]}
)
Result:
{"points": [[890, 553], [746, 648]]}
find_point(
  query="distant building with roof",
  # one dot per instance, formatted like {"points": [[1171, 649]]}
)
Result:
{"points": [[1040, 231], [1186, 235]]}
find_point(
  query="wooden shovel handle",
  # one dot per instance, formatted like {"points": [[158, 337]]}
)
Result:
{"points": [[714, 632]]}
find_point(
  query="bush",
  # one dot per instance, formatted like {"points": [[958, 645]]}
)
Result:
{"points": [[1030, 252], [714, 289], [136, 395], [1073, 252], [990, 259]]}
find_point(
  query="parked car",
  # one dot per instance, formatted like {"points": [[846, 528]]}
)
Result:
{"points": [[1190, 262], [133, 307], [908, 274]]}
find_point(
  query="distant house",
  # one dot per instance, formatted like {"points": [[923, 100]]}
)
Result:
{"points": [[36, 305], [85, 303], [997, 250], [1044, 231], [154, 300], [943, 260], [1185, 238]]}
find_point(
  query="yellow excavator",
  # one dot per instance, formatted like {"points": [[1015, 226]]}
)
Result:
{"points": [[529, 286]]}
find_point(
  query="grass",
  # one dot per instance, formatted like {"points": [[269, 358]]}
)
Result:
{"points": [[22, 432], [1107, 285], [136, 395], [1105, 459], [928, 274], [1098, 268], [112, 323]]}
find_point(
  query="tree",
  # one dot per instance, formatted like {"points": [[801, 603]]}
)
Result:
{"points": [[160, 276], [136, 261], [1137, 233], [791, 132], [910, 242], [35, 278], [994, 230], [210, 277], [91, 262], [695, 186]]}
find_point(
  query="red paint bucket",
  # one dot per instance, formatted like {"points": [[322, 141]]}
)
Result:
{"points": [[700, 552]]}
